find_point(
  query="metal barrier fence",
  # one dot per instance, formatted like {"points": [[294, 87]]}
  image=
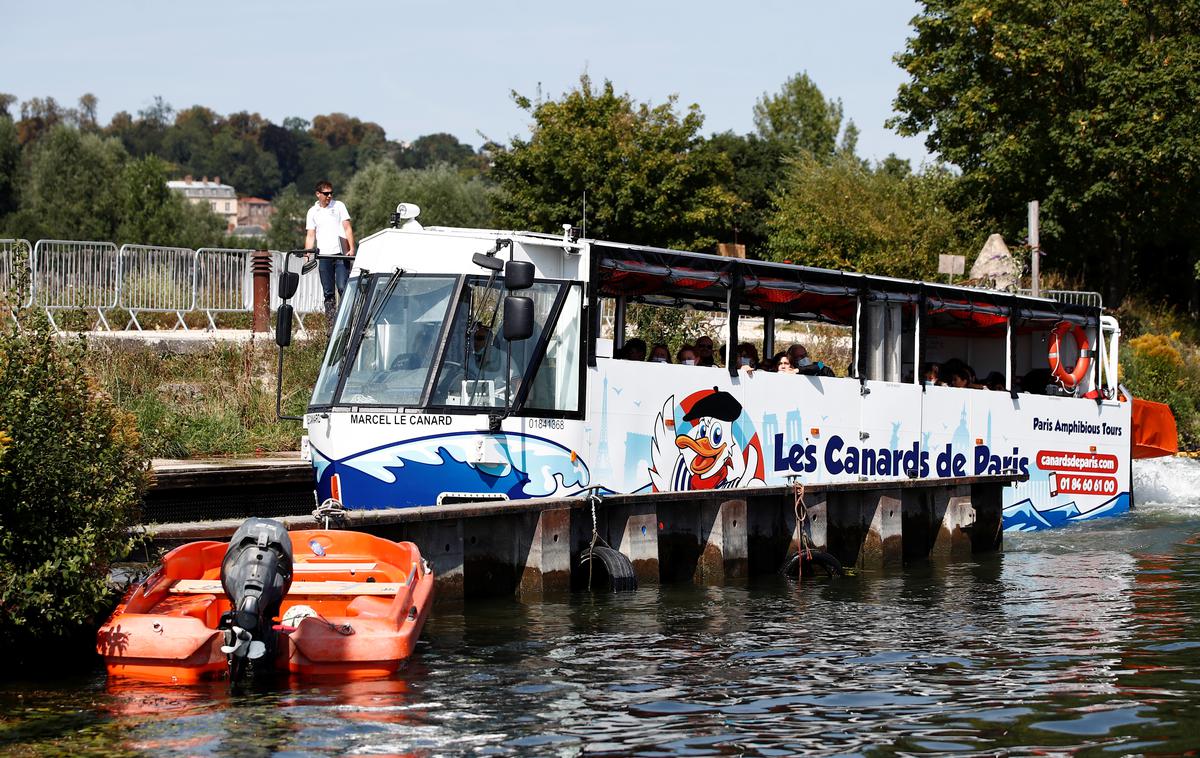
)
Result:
{"points": [[156, 280], [1070, 297], [71, 275], [91, 276], [223, 281]]}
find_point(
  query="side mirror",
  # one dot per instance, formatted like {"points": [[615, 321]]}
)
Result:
{"points": [[283, 325], [518, 318], [289, 281], [490, 262], [518, 275]]}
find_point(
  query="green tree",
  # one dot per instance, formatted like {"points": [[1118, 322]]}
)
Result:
{"points": [[758, 165], [70, 192], [646, 179], [72, 473], [154, 215], [1088, 106], [446, 197], [287, 225], [802, 119], [431, 149], [840, 215], [10, 166]]}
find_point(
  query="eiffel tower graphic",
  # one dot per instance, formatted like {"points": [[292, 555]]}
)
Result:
{"points": [[602, 455]]}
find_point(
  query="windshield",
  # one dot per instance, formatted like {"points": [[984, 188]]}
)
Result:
{"points": [[476, 369], [401, 317]]}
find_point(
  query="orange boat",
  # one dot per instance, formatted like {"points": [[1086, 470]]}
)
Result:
{"points": [[312, 603]]}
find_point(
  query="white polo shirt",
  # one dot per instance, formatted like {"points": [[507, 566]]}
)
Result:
{"points": [[327, 222]]}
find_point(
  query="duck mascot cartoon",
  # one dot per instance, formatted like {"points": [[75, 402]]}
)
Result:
{"points": [[708, 455]]}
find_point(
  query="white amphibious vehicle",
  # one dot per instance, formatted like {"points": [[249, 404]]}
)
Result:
{"points": [[466, 364]]}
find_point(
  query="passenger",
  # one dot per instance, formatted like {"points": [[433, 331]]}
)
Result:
{"points": [[995, 381], [660, 353], [634, 350], [783, 364], [798, 355], [974, 384], [955, 375], [929, 374], [686, 356], [704, 351], [1036, 381], [747, 357]]}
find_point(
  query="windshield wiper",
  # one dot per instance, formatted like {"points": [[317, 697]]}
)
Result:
{"points": [[342, 340], [388, 289]]}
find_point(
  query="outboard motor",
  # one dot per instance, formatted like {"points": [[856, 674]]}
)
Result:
{"points": [[256, 575]]}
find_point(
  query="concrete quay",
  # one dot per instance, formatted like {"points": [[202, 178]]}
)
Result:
{"points": [[529, 547]]}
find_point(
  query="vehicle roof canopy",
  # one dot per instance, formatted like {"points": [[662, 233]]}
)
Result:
{"points": [[706, 282]]}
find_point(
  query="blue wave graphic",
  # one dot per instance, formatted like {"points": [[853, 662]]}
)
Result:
{"points": [[416, 472], [1023, 517]]}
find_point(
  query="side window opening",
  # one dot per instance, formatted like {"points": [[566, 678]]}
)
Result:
{"points": [[476, 370], [555, 386]]}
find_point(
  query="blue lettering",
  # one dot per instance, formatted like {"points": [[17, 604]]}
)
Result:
{"points": [[833, 463]]}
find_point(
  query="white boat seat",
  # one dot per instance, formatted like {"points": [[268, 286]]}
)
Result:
{"points": [[213, 587]]}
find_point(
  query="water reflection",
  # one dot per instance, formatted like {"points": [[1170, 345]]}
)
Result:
{"points": [[1081, 639]]}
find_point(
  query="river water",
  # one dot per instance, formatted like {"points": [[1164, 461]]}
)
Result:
{"points": [[1085, 638]]}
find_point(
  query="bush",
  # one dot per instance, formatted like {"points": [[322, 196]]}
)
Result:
{"points": [[1160, 368], [72, 473]]}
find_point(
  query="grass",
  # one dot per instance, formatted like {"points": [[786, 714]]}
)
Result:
{"points": [[217, 401]]}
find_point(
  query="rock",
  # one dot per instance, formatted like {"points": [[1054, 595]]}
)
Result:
{"points": [[995, 267]]}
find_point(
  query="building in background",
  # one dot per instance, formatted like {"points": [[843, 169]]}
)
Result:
{"points": [[254, 211], [221, 198]]}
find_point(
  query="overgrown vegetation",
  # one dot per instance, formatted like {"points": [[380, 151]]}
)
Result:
{"points": [[72, 473], [217, 401], [1160, 361]]}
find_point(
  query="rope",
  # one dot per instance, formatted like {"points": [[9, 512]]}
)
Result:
{"points": [[593, 500], [331, 510], [801, 510]]}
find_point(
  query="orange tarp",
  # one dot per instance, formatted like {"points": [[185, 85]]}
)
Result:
{"points": [[1154, 432]]}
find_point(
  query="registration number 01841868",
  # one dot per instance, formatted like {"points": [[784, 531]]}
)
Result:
{"points": [[545, 423]]}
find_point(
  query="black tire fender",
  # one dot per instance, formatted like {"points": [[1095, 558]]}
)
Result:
{"points": [[807, 564], [610, 570]]}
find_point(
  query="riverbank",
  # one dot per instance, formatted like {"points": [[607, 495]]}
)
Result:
{"points": [[202, 398]]}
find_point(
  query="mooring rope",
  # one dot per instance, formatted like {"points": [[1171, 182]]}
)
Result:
{"points": [[331, 510], [801, 510]]}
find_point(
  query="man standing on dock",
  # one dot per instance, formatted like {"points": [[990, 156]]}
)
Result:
{"points": [[328, 225]]}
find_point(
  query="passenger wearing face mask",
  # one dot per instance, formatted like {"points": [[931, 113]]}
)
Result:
{"points": [[686, 356], [747, 357], [798, 355], [660, 353]]}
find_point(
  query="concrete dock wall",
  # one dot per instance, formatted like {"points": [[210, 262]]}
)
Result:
{"points": [[530, 547]]}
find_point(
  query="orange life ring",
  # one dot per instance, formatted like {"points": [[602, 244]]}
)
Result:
{"points": [[1069, 378]]}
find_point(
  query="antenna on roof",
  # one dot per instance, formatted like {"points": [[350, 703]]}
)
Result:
{"points": [[584, 232]]}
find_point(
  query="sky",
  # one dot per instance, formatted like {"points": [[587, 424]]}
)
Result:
{"points": [[419, 68]]}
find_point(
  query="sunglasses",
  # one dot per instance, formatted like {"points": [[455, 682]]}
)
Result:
{"points": [[326, 194]]}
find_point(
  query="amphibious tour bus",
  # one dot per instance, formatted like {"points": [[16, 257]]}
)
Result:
{"points": [[469, 364]]}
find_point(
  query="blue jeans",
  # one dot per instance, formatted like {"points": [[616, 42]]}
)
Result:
{"points": [[333, 272]]}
